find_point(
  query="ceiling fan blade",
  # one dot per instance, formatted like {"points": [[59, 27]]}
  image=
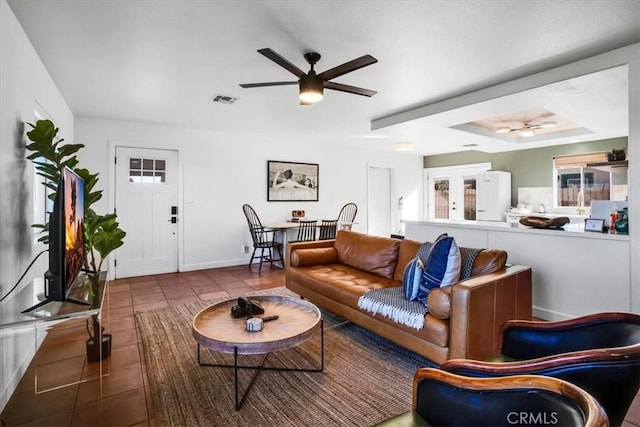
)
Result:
{"points": [[349, 89], [281, 62], [348, 67], [249, 85]]}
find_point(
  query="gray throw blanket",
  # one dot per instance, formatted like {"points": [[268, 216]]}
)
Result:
{"points": [[391, 303]]}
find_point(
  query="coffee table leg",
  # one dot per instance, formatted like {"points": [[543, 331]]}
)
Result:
{"points": [[253, 378], [258, 368]]}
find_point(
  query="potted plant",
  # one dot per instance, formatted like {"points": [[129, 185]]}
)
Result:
{"points": [[102, 232]]}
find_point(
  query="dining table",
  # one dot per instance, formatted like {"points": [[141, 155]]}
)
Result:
{"points": [[283, 228]]}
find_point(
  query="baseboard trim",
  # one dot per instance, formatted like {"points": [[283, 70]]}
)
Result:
{"points": [[216, 264]]}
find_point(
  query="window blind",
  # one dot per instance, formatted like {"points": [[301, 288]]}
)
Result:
{"points": [[579, 160]]}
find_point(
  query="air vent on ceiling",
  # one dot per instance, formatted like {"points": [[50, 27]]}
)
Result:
{"points": [[470, 145], [223, 99]]}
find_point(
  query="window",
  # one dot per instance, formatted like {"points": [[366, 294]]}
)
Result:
{"points": [[581, 179], [147, 171]]}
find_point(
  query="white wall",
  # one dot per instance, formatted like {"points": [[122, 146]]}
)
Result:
{"points": [[26, 87], [221, 172]]}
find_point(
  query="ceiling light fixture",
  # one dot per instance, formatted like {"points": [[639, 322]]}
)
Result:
{"points": [[311, 88], [405, 146], [527, 128]]}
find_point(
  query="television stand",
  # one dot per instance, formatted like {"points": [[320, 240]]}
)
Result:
{"points": [[88, 299]]}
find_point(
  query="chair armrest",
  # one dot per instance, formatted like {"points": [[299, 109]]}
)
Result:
{"points": [[480, 305], [541, 365]]}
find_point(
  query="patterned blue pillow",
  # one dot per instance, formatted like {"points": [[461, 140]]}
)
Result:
{"points": [[411, 279], [441, 267]]}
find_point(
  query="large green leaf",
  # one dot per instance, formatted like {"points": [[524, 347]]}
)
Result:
{"points": [[102, 232]]}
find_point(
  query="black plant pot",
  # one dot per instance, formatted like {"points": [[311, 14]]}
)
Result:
{"points": [[93, 351]]}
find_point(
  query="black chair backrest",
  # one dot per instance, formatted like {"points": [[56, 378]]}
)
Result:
{"points": [[612, 377], [348, 215], [328, 229], [252, 217], [599, 332], [519, 400], [307, 231], [255, 226]]}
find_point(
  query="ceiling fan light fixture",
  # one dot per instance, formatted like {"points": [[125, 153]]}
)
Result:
{"points": [[527, 132], [311, 88]]}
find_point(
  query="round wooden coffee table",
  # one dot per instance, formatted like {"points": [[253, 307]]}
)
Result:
{"points": [[214, 328]]}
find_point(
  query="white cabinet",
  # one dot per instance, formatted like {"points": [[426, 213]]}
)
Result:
{"points": [[493, 193]]}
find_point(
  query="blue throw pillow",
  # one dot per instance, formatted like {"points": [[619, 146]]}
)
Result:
{"points": [[411, 279], [441, 267]]}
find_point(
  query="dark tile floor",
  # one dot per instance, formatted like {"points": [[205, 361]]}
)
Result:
{"points": [[125, 394], [125, 399]]}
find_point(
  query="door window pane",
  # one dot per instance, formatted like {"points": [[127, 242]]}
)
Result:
{"points": [[441, 187], [470, 198], [147, 171]]}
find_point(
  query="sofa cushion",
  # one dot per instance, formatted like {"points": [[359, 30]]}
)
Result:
{"points": [[313, 256], [439, 302], [442, 265], [489, 261], [377, 255], [339, 282], [406, 252], [411, 279]]}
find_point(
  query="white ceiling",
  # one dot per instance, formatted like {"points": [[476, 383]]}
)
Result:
{"points": [[162, 61]]}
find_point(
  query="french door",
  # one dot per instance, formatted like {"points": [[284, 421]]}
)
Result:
{"points": [[450, 192]]}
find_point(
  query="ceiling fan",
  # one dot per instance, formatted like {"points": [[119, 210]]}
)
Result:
{"points": [[311, 84]]}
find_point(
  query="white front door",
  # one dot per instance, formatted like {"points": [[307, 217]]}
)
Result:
{"points": [[147, 208], [379, 201]]}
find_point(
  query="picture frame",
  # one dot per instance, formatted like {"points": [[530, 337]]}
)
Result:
{"points": [[292, 181], [594, 225]]}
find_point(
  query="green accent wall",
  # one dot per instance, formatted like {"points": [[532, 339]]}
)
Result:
{"points": [[529, 168]]}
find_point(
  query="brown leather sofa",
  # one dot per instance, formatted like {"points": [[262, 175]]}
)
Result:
{"points": [[464, 319]]}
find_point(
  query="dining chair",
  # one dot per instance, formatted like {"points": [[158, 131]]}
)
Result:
{"points": [[347, 215], [599, 353], [328, 229], [441, 398], [263, 238], [307, 231]]}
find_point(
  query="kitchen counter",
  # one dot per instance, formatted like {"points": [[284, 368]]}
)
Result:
{"points": [[574, 273], [504, 226], [514, 216]]}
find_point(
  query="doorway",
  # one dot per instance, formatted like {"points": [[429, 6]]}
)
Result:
{"points": [[450, 192], [379, 201], [146, 202]]}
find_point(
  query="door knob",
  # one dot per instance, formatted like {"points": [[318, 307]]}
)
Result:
{"points": [[173, 220]]}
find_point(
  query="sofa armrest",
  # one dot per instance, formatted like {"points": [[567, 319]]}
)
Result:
{"points": [[479, 307], [306, 245]]}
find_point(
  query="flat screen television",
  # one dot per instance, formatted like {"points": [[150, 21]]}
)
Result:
{"points": [[66, 239]]}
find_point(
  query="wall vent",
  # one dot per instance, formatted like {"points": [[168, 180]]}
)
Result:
{"points": [[223, 99]]}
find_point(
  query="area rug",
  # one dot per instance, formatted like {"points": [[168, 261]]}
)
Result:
{"points": [[366, 379]]}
